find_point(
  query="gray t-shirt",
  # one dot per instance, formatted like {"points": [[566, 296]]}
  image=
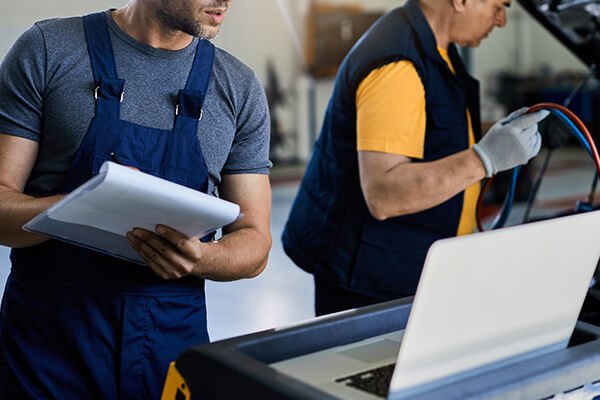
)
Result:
{"points": [[47, 95]]}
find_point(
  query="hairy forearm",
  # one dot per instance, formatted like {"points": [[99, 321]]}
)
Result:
{"points": [[408, 188], [240, 254], [15, 210]]}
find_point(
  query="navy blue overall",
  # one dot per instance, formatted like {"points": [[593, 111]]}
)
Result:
{"points": [[77, 324], [330, 231]]}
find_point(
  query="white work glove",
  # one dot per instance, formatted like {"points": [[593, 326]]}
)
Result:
{"points": [[512, 141]]}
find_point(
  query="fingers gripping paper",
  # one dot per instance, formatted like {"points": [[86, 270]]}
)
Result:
{"points": [[99, 213]]}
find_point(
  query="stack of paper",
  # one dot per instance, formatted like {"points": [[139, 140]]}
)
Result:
{"points": [[99, 213]]}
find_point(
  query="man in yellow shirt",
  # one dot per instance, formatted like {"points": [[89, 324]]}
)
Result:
{"points": [[400, 155]]}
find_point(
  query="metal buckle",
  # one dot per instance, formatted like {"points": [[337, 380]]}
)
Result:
{"points": [[199, 118], [98, 88]]}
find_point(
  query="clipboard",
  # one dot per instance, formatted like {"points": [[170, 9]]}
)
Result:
{"points": [[99, 213]]}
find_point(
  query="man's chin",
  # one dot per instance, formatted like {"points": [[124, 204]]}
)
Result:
{"points": [[209, 35], [472, 44], [209, 31]]}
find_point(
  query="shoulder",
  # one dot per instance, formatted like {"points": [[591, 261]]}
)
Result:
{"points": [[37, 35], [398, 76], [59, 23], [62, 35], [236, 83], [392, 33], [389, 40], [60, 26], [230, 69]]}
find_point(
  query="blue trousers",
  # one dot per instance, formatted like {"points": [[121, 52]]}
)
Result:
{"points": [[68, 342]]}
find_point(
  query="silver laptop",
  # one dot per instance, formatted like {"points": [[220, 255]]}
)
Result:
{"points": [[483, 300]]}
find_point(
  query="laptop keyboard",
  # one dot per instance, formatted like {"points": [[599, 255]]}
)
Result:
{"points": [[375, 381]]}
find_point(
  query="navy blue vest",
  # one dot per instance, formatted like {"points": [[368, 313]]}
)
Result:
{"points": [[330, 231]]}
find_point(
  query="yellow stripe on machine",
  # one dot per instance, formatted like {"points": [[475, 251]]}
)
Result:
{"points": [[175, 386]]}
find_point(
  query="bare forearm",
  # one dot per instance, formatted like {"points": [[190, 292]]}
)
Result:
{"points": [[241, 253], [407, 188], [15, 210], [238, 255]]}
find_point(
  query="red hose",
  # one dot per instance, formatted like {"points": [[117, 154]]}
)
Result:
{"points": [[575, 119]]}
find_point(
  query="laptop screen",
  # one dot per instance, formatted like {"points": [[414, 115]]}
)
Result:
{"points": [[489, 297]]}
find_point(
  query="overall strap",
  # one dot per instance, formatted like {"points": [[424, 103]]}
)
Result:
{"points": [[108, 88], [191, 99]]}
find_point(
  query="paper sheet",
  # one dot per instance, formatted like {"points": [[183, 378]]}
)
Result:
{"points": [[126, 198], [120, 198]]}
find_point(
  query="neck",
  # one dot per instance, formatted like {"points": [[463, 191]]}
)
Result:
{"points": [[138, 19], [438, 15]]}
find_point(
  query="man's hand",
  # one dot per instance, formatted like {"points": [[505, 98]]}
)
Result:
{"points": [[169, 253], [241, 253], [512, 141]]}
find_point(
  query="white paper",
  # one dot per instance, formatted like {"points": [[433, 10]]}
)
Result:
{"points": [[126, 198], [120, 198]]}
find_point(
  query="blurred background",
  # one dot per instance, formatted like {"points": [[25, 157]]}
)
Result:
{"points": [[295, 46]]}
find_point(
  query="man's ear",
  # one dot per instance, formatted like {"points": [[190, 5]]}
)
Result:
{"points": [[459, 5]]}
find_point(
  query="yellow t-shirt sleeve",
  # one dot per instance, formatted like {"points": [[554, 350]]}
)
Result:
{"points": [[390, 104], [391, 118]]}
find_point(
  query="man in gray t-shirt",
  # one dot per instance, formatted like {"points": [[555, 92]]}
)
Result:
{"points": [[140, 84]]}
